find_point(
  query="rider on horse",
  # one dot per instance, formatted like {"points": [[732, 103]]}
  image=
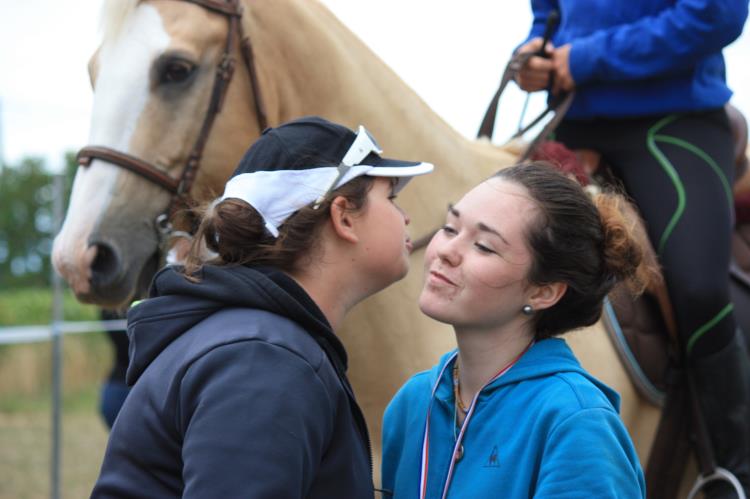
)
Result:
{"points": [[650, 91]]}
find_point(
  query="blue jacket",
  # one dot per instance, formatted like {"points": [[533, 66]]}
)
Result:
{"points": [[644, 57], [544, 429], [238, 391]]}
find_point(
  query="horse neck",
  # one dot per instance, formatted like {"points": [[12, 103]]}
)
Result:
{"points": [[312, 64], [309, 63]]}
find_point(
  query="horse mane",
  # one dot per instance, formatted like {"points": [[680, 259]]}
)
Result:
{"points": [[114, 14]]}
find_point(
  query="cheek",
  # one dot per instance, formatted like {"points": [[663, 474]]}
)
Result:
{"points": [[498, 274], [430, 253], [395, 221]]}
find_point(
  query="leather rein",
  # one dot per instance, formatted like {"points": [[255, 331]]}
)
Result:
{"points": [[180, 187], [559, 105]]}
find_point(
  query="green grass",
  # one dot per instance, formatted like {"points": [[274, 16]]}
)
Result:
{"points": [[30, 306], [26, 369], [26, 400], [25, 453], [81, 399]]}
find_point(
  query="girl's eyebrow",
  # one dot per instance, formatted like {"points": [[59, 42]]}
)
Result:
{"points": [[486, 228], [481, 225]]}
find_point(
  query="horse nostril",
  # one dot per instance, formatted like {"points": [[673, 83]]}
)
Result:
{"points": [[106, 265]]}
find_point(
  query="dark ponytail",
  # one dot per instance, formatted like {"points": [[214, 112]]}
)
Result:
{"points": [[235, 233]]}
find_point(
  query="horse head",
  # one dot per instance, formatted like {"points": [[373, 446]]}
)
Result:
{"points": [[153, 129]]}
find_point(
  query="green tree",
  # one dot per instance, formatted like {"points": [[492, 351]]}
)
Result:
{"points": [[26, 222]]}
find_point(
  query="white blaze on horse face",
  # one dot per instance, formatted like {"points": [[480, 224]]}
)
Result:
{"points": [[121, 93], [122, 84]]}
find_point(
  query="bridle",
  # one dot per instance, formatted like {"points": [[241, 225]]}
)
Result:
{"points": [[179, 188]]}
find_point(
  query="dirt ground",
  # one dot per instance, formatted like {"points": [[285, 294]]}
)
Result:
{"points": [[25, 453]]}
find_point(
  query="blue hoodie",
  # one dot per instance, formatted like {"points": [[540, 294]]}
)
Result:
{"points": [[644, 57], [544, 429]]}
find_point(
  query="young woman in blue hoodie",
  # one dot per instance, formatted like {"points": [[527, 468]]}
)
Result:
{"points": [[522, 258], [239, 385], [650, 91]]}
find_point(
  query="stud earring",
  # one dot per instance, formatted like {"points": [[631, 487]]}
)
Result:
{"points": [[527, 310]]}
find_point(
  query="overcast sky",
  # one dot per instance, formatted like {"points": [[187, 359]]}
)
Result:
{"points": [[451, 53]]}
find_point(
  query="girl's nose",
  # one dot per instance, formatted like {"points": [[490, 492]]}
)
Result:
{"points": [[449, 250], [407, 220]]}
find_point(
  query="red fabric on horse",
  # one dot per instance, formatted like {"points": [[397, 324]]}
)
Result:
{"points": [[561, 158], [742, 208]]}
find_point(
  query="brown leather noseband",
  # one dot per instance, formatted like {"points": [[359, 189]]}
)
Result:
{"points": [[180, 187]]}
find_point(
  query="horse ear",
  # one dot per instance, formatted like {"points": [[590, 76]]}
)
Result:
{"points": [[93, 68], [342, 221]]}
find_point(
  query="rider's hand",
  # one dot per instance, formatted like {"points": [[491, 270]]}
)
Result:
{"points": [[535, 74], [561, 62]]}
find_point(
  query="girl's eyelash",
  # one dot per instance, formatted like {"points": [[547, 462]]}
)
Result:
{"points": [[483, 248]]}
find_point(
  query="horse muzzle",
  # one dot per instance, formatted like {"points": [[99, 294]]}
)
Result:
{"points": [[108, 271]]}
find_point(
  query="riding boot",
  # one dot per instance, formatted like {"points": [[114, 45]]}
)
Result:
{"points": [[722, 380]]}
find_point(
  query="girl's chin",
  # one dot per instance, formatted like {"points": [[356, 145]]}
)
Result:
{"points": [[434, 311]]}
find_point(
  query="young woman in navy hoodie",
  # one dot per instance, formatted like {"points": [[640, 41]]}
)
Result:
{"points": [[522, 258], [239, 384]]}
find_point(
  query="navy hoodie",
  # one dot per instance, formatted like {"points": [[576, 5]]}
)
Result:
{"points": [[239, 390]]}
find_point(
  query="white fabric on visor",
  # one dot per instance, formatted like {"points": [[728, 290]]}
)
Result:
{"points": [[276, 195]]}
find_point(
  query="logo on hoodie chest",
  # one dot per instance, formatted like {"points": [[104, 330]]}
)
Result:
{"points": [[492, 461]]}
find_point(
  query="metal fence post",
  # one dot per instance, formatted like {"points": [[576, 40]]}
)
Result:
{"points": [[57, 319]]}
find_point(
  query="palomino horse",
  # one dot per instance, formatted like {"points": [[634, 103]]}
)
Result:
{"points": [[153, 78]]}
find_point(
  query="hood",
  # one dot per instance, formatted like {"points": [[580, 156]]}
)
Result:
{"points": [[176, 304], [544, 358]]}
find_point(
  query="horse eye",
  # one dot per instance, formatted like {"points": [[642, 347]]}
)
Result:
{"points": [[176, 71]]}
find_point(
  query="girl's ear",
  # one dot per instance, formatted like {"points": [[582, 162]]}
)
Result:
{"points": [[342, 219], [546, 295]]}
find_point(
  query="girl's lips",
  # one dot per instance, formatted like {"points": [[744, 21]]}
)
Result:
{"points": [[409, 246], [440, 277]]}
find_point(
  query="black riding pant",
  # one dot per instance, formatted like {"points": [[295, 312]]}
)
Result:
{"points": [[679, 170]]}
